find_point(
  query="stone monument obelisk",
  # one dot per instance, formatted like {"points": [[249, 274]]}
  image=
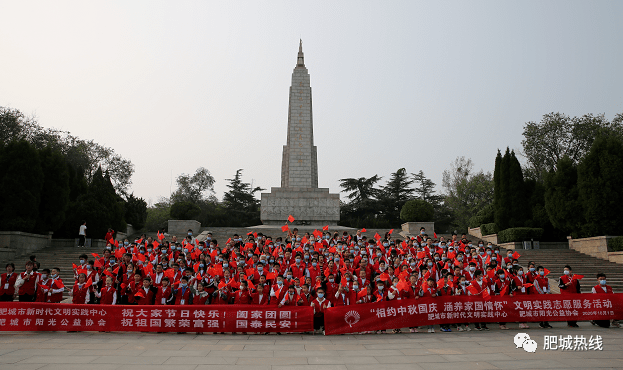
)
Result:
{"points": [[299, 194]]}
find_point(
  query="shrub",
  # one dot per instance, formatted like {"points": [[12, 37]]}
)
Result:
{"points": [[519, 234], [616, 244], [488, 229], [417, 210]]}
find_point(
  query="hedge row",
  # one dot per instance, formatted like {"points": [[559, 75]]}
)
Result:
{"points": [[616, 244], [519, 234]]}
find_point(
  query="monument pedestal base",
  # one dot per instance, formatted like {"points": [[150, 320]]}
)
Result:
{"points": [[309, 206]]}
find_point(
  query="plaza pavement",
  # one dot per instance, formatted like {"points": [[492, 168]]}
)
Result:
{"points": [[456, 350]]}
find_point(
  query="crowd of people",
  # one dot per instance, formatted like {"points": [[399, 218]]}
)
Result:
{"points": [[321, 269]]}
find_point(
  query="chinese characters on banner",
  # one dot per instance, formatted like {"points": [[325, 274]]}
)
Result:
{"points": [[16, 316], [469, 309]]}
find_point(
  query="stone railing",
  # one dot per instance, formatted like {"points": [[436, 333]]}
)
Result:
{"points": [[596, 246]]}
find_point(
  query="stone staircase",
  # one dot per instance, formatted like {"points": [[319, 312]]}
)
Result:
{"points": [[555, 259]]}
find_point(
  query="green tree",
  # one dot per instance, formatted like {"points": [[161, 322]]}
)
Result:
{"points": [[361, 190], [195, 188], [396, 192], [240, 201], [185, 211], [466, 192], [158, 215], [417, 210], [562, 203], [135, 212], [600, 180], [21, 180], [54, 192], [558, 135], [519, 207]]}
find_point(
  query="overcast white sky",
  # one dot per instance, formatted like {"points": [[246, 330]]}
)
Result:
{"points": [[176, 85]]}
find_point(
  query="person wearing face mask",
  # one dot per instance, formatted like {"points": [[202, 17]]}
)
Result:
{"points": [[278, 291], [331, 288], [298, 268], [183, 295], [55, 293], [501, 286], [470, 274], [517, 287], [541, 285], [43, 286], [164, 295], [477, 287], [320, 305], [569, 284], [461, 290], [603, 288], [80, 292], [291, 298]]}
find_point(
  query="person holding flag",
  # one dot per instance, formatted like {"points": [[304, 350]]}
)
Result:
{"points": [[569, 283]]}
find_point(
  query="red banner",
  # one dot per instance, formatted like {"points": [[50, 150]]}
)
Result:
{"points": [[470, 309], [17, 316]]}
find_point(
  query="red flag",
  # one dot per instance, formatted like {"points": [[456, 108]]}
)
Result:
{"points": [[377, 236], [250, 233], [116, 271], [420, 255], [385, 276], [363, 230], [228, 241], [89, 283], [578, 277], [504, 291], [325, 228], [285, 228], [290, 218], [108, 273], [516, 255], [486, 295], [528, 285], [440, 283], [250, 285], [317, 233], [141, 257], [74, 265], [391, 231], [546, 271], [160, 235], [221, 285], [58, 284], [402, 285], [140, 293], [234, 284], [255, 235], [270, 276], [472, 289], [362, 293], [434, 235], [96, 255], [97, 264]]}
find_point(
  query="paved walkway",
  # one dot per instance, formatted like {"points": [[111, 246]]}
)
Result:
{"points": [[456, 350]]}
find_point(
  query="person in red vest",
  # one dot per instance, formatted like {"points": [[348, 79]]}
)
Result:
{"points": [[290, 299], [502, 285], [429, 291], [164, 294], [518, 279], [146, 294], [278, 291], [201, 296], [320, 305], [601, 288], [108, 294], [260, 297], [183, 295], [44, 286], [306, 297], [478, 286], [7, 283], [55, 294], [569, 285], [26, 283], [541, 285], [80, 292], [242, 296]]}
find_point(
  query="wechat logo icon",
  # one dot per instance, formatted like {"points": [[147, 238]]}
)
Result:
{"points": [[523, 340]]}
